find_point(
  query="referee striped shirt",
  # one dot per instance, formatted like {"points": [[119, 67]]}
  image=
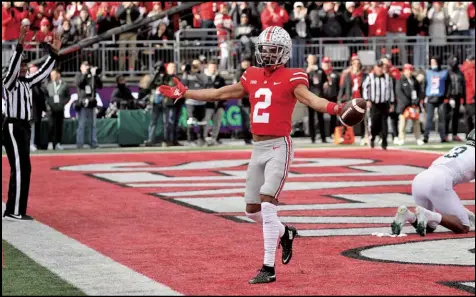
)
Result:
{"points": [[378, 89], [17, 90]]}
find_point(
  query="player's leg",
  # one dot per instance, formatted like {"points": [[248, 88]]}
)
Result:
{"points": [[278, 159], [453, 215], [254, 181]]}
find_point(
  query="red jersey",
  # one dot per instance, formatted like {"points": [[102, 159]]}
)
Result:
{"points": [[377, 20], [272, 98], [356, 83]]}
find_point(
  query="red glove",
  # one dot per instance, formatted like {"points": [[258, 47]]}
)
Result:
{"points": [[173, 92]]}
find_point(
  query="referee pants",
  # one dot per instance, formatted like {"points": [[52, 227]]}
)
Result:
{"points": [[379, 122], [16, 139]]}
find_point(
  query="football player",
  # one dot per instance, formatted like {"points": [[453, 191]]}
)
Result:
{"points": [[273, 91], [433, 188]]}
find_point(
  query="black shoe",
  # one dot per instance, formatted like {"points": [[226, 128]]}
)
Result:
{"points": [[12, 217], [372, 143], [265, 275], [425, 140], [384, 148], [286, 242]]}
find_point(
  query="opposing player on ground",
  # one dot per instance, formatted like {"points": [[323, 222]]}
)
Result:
{"points": [[273, 91], [433, 189]]}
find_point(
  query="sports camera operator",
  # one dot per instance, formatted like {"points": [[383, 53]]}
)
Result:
{"points": [[87, 81]]}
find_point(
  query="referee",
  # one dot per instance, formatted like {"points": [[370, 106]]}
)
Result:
{"points": [[378, 91], [16, 129]]}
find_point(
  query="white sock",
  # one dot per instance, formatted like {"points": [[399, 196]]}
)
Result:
{"points": [[255, 216], [434, 218], [272, 230]]}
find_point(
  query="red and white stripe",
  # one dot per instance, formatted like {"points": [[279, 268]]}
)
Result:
{"points": [[289, 150], [269, 33], [299, 75]]}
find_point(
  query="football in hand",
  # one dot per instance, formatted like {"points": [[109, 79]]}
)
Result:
{"points": [[353, 112]]}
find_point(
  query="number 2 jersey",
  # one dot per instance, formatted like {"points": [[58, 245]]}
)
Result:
{"points": [[460, 162], [272, 98]]}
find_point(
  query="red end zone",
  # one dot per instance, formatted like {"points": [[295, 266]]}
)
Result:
{"points": [[178, 219]]}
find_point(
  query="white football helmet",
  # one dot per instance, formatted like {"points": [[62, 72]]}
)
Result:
{"points": [[273, 47]]}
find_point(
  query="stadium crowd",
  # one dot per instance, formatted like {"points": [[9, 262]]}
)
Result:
{"points": [[245, 20]]}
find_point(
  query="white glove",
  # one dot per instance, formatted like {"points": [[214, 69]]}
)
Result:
{"points": [[452, 103], [93, 71]]}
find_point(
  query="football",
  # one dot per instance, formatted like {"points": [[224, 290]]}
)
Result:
{"points": [[353, 112]]}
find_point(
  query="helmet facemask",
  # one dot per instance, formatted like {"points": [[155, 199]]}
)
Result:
{"points": [[271, 54]]}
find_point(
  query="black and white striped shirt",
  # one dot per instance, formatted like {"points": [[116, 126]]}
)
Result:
{"points": [[17, 90], [378, 89]]}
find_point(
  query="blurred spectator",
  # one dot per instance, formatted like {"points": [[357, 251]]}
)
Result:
{"points": [[44, 35], [204, 15], [224, 26], [353, 23], [156, 9], [11, 19], [395, 76], [106, 18], [437, 89], [273, 15], [299, 31], [57, 95], [376, 16], [157, 100], [472, 18], [456, 95], [244, 103], [127, 13], [459, 19], [351, 87], [418, 26], [85, 27], [238, 9], [87, 81], [59, 15], [213, 110], [468, 70], [143, 96], [39, 12], [194, 80], [330, 89], [243, 33], [315, 22], [122, 95], [408, 93], [398, 14], [68, 36], [317, 78], [39, 108], [172, 110], [331, 21], [73, 10], [438, 20]]}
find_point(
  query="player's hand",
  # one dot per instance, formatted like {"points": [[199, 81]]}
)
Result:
{"points": [[175, 92], [23, 31]]}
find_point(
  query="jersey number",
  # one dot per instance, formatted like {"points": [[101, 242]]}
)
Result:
{"points": [[454, 153], [262, 105]]}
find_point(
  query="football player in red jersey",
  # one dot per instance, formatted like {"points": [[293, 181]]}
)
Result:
{"points": [[273, 91]]}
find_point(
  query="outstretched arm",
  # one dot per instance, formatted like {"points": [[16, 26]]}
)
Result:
{"points": [[319, 104], [234, 91], [178, 91], [48, 65], [14, 67]]}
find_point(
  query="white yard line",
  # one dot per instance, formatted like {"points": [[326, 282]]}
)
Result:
{"points": [[77, 264]]}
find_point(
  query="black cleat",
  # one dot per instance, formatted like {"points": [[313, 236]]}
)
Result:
{"points": [[265, 275], [287, 243], [12, 217]]}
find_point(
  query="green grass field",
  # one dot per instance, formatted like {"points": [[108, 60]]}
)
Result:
{"points": [[21, 276]]}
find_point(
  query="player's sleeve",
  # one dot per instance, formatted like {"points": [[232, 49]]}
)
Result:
{"points": [[298, 77], [244, 80]]}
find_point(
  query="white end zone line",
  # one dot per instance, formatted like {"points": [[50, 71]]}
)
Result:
{"points": [[76, 263], [99, 153]]}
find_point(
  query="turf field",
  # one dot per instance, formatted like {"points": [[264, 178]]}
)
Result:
{"points": [[129, 221]]}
